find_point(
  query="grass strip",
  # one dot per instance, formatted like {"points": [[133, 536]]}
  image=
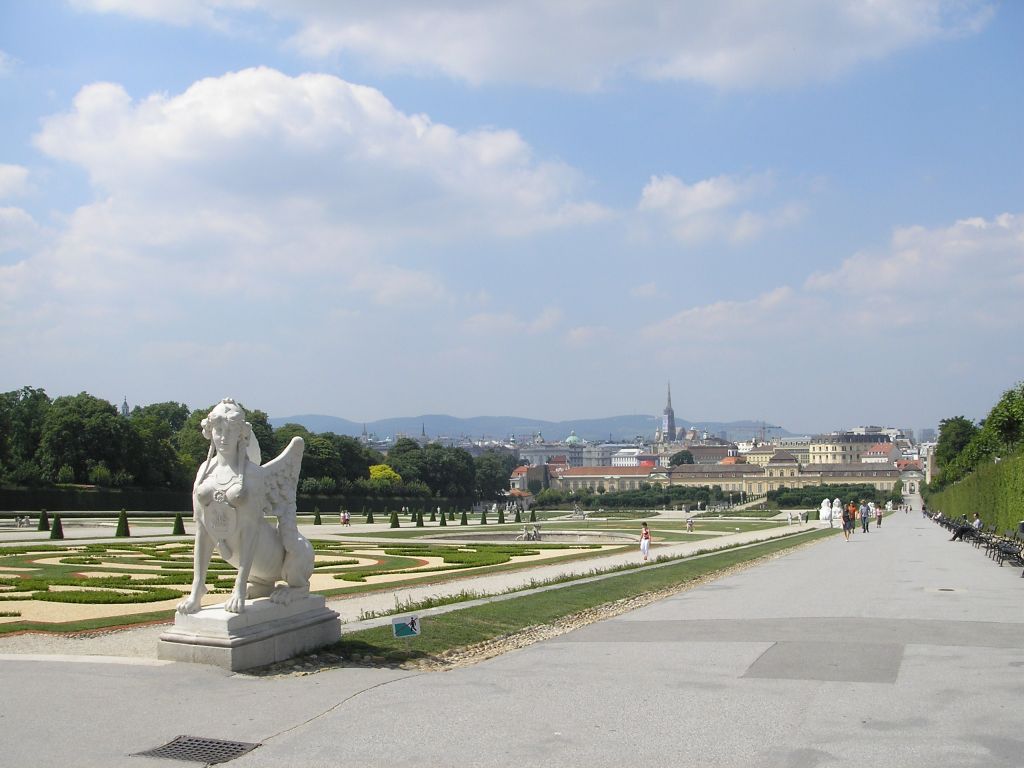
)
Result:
{"points": [[478, 624]]}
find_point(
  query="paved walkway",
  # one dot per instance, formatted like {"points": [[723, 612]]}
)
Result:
{"points": [[897, 648]]}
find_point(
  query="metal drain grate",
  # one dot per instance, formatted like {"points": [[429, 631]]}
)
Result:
{"points": [[199, 750]]}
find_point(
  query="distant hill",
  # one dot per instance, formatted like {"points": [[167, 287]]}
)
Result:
{"points": [[502, 427]]}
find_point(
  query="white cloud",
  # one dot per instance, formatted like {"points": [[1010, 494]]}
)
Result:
{"points": [[572, 44], [18, 230], [498, 324], [715, 208], [256, 202], [312, 140], [973, 268], [645, 291], [6, 64], [180, 13], [932, 320], [13, 180], [585, 336]]}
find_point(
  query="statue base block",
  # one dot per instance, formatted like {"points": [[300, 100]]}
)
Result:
{"points": [[265, 633]]}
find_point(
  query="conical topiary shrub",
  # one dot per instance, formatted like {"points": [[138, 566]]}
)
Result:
{"points": [[533, 516], [122, 525], [483, 517], [44, 521], [464, 521], [443, 520], [394, 519], [501, 516], [57, 531], [518, 518], [316, 516], [179, 526], [369, 516], [451, 515], [433, 516], [419, 519]]}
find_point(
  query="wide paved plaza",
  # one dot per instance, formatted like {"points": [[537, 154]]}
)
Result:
{"points": [[897, 648]]}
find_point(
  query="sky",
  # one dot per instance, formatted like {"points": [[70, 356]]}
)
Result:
{"points": [[806, 213]]}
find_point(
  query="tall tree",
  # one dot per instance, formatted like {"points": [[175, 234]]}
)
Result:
{"points": [[954, 435], [447, 471], [154, 459], [80, 431], [493, 470], [22, 413], [680, 457], [355, 458], [406, 458]]}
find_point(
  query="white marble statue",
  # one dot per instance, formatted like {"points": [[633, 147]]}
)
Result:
{"points": [[231, 498], [825, 513]]}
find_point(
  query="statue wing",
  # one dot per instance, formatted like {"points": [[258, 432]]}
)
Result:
{"points": [[281, 479]]}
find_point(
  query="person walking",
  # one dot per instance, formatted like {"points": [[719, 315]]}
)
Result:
{"points": [[847, 520], [865, 516], [645, 540]]}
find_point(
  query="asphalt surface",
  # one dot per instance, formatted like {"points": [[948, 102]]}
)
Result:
{"points": [[897, 648]]}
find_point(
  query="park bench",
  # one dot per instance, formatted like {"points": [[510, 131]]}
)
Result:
{"points": [[984, 536], [1011, 548]]}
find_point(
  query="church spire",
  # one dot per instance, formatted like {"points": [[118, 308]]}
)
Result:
{"points": [[668, 419]]}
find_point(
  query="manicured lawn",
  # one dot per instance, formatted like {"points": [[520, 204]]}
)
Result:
{"points": [[481, 623]]}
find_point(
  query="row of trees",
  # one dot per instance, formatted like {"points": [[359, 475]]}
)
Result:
{"points": [[811, 496], [963, 445], [84, 439]]}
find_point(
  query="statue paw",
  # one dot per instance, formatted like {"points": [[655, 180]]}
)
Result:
{"points": [[285, 595], [281, 596], [235, 604], [190, 604]]}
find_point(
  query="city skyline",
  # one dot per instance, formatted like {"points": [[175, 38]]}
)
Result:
{"points": [[806, 214]]}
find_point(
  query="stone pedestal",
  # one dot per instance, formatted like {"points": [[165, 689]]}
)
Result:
{"points": [[265, 633]]}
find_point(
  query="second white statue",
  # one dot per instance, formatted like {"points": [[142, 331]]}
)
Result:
{"points": [[231, 499]]}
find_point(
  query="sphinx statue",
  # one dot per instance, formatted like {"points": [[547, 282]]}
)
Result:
{"points": [[825, 512], [231, 499]]}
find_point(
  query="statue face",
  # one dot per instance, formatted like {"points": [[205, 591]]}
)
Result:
{"points": [[225, 433]]}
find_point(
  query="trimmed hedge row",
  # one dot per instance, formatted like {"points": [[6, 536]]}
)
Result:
{"points": [[994, 491], [163, 500]]}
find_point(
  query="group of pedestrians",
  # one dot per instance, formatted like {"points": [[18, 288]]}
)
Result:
{"points": [[862, 514]]}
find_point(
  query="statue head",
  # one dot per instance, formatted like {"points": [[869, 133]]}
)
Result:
{"points": [[225, 427]]}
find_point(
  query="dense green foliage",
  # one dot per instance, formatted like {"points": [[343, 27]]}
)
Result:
{"points": [[811, 496], [994, 490], [981, 468], [55, 444], [680, 457], [963, 446]]}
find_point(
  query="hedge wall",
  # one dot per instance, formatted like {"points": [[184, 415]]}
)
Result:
{"points": [[159, 500], [101, 499], [995, 491]]}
